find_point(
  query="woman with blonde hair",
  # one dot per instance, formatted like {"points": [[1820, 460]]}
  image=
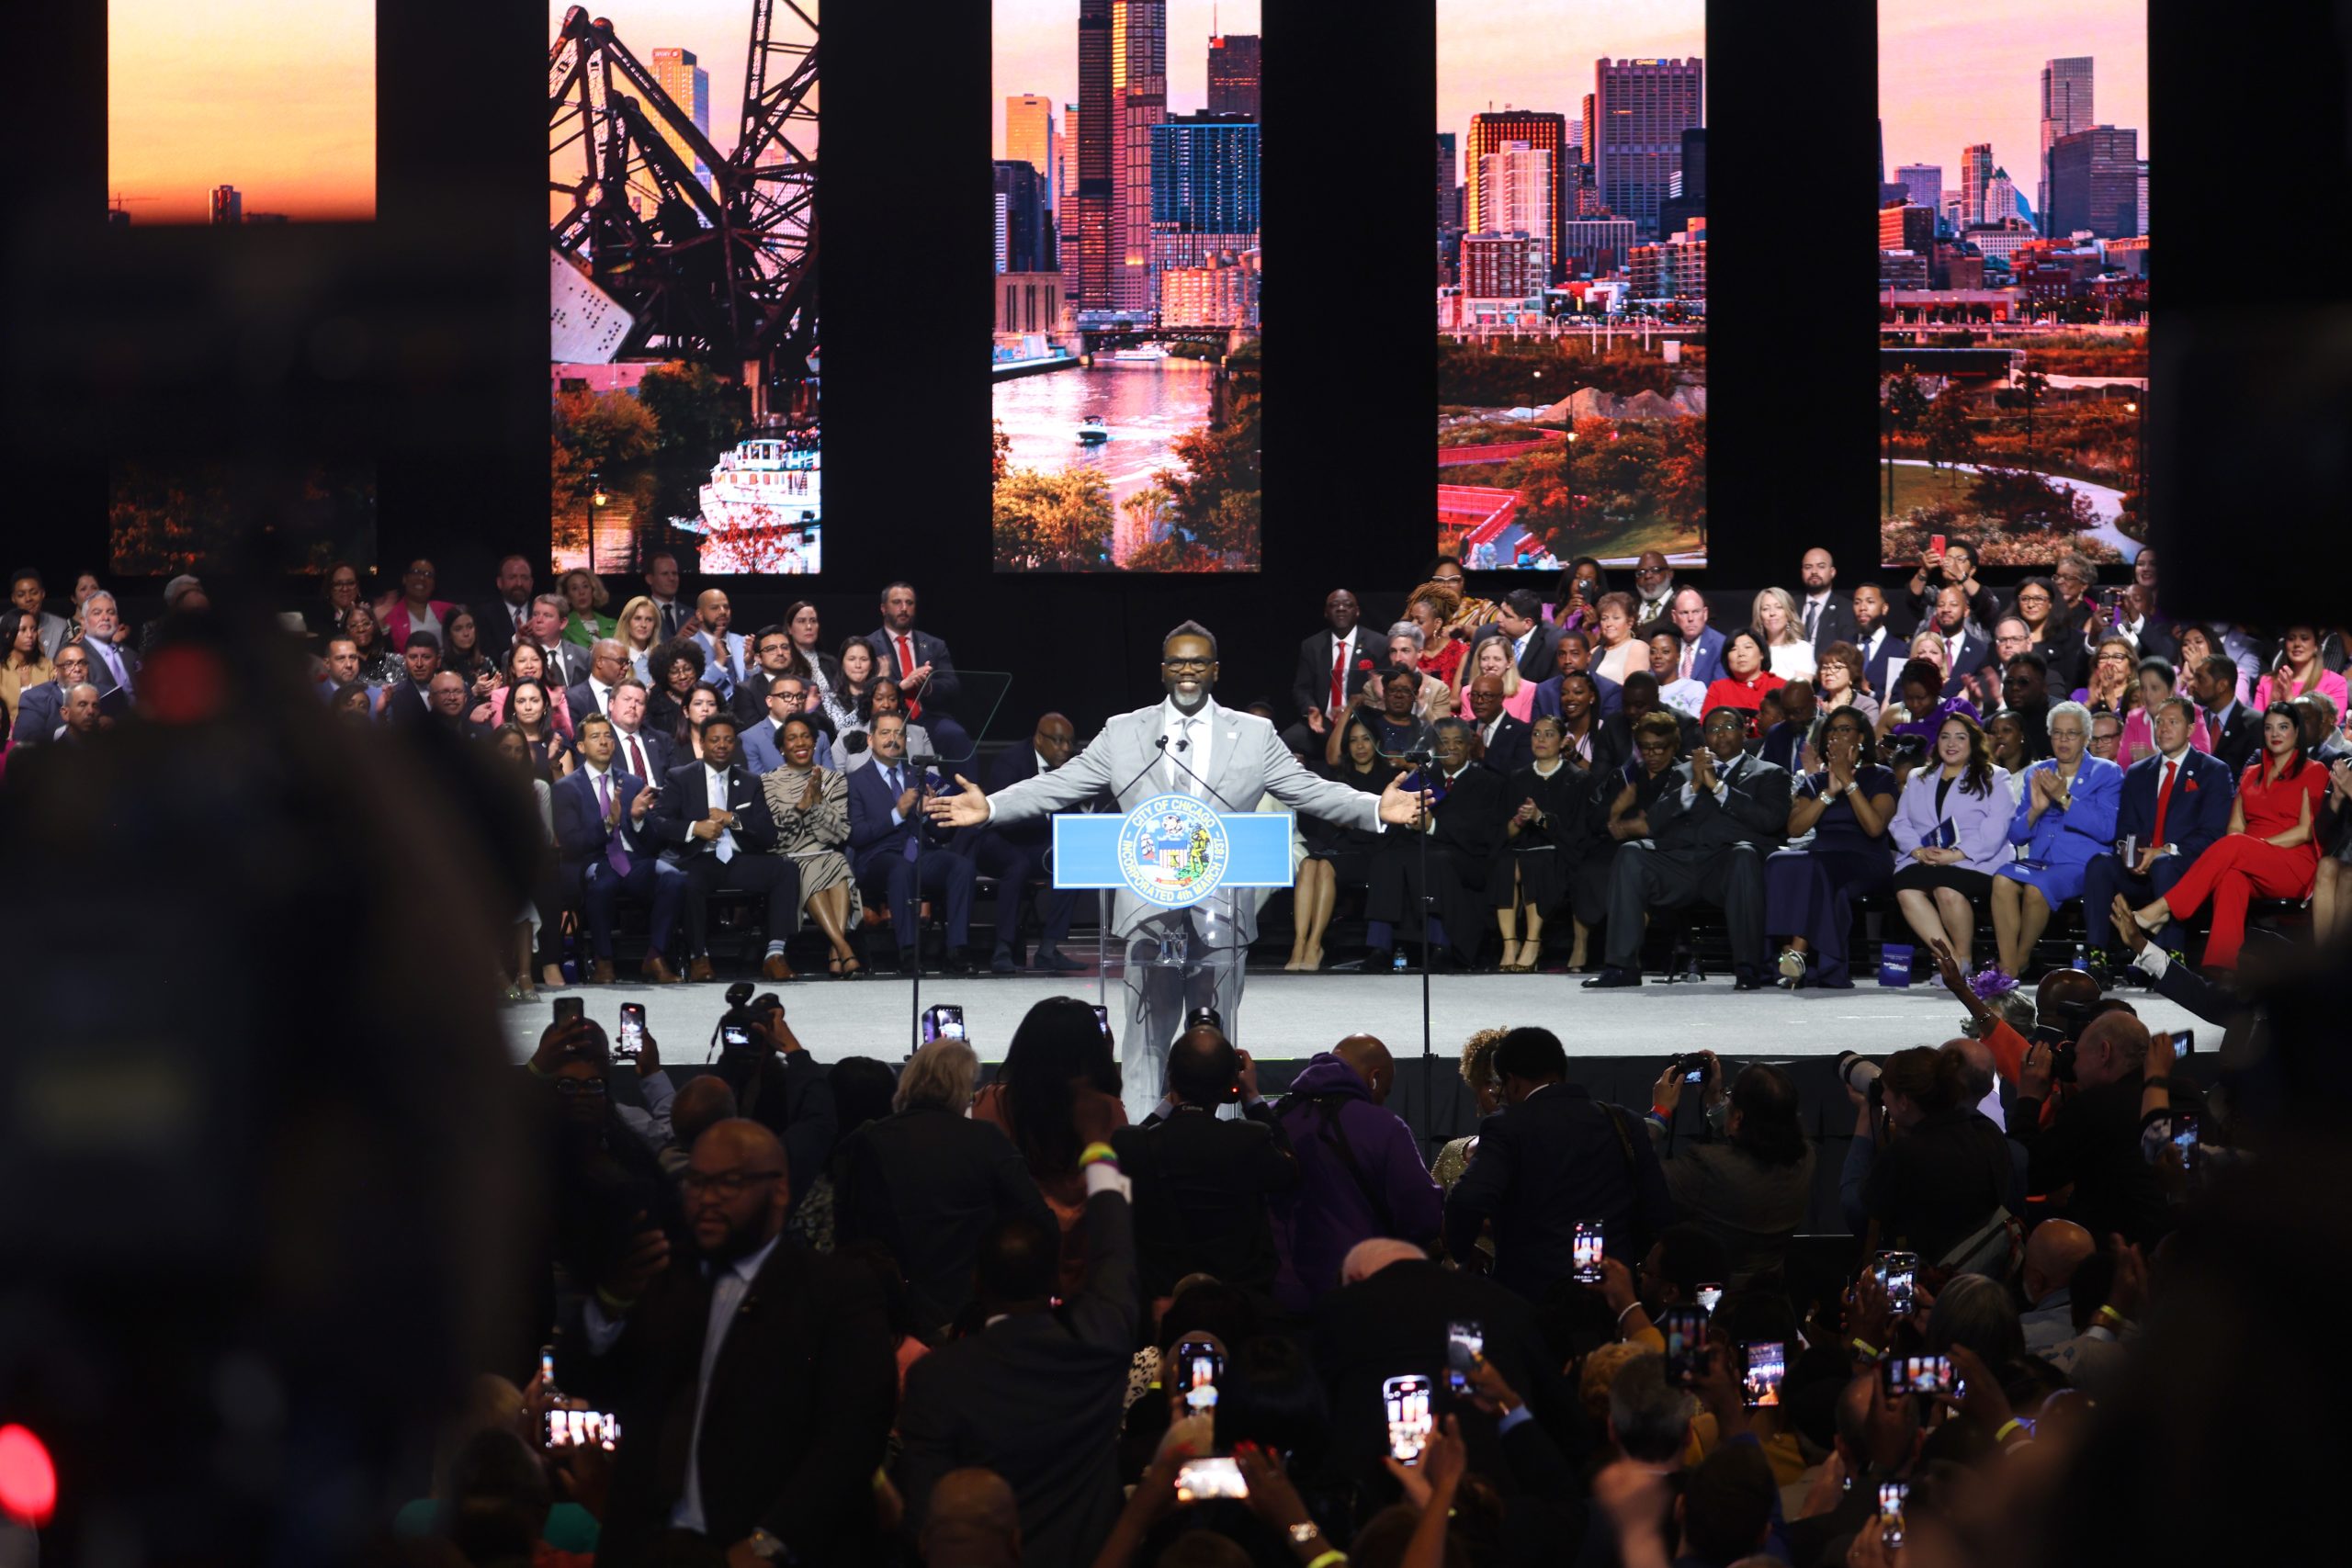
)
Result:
{"points": [[584, 592], [638, 626], [1492, 657], [1782, 631]]}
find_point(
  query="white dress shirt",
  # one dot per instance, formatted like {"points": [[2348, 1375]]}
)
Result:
{"points": [[602, 694], [715, 785], [1189, 743], [1343, 654], [728, 1286]]}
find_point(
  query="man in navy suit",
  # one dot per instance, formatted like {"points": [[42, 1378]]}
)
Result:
{"points": [[714, 818], [883, 817], [1520, 617], [1013, 852], [724, 660], [636, 751], [1572, 655], [1702, 646], [1882, 650], [787, 696], [1507, 748], [41, 709], [1967, 646], [2176, 806], [114, 669], [925, 670], [2235, 729], [600, 835]]}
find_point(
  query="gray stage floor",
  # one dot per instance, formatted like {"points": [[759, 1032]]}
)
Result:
{"points": [[1297, 1015]]}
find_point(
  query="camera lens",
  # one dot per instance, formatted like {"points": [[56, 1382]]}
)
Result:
{"points": [[1857, 1072]]}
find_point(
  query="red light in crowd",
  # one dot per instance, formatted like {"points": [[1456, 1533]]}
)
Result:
{"points": [[27, 1479]]}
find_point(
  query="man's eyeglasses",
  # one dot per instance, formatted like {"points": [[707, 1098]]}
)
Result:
{"points": [[726, 1183], [1187, 663], [579, 1086]]}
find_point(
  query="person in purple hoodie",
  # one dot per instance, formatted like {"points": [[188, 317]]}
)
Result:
{"points": [[1361, 1173]]}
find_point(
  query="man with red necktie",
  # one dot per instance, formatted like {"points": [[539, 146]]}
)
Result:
{"points": [[925, 670], [2175, 804]]}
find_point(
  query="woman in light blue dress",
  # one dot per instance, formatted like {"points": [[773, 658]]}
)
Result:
{"points": [[2065, 814]]}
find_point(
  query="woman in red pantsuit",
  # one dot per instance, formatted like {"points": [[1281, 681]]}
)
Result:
{"points": [[2269, 851]]}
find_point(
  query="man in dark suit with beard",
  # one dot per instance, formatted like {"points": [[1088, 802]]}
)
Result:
{"points": [[752, 1383], [2235, 729], [1013, 852], [714, 819]]}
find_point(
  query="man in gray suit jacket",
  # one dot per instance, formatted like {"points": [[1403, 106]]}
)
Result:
{"points": [[1185, 745]]}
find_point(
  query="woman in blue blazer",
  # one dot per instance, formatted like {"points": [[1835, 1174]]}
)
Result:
{"points": [[2065, 816]]}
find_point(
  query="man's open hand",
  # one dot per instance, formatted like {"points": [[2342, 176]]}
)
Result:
{"points": [[965, 808], [1399, 807]]}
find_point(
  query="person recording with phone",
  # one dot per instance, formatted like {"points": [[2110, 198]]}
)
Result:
{"points": [[1745, 1173], [753, 1381], [2087, 1156], [1204, 1183], [1924, 1167]]}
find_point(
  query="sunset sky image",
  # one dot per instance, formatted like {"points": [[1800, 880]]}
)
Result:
{"points": [[1949, 78], [1538, 54], [276, 98]]}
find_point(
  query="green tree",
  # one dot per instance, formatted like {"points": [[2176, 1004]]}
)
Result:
{"points": [[1052, 521], [1949, 438], [695, 414]]}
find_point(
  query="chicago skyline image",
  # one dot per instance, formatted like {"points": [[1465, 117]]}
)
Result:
{"points": [[2013, 279], [1571, 281], [683, 285], [1125, 353]]}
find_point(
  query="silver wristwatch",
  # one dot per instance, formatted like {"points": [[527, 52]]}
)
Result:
{"points": [[1302, 1534]]}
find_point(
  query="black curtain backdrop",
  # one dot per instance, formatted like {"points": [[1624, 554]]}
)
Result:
{"points": [[184, 341]]}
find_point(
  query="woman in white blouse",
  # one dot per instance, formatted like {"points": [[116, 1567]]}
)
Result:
{"points": [[1780, 631]]}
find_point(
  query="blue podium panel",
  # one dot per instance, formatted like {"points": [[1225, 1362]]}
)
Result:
{"points": [[1087, 849]]}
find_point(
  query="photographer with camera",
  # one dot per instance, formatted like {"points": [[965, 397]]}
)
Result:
{"points": [[2087, 1160], [1929, 1173], [1749, 1180], [776, 1082]]}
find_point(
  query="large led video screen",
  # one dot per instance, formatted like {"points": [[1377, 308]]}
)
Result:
{"points": [[682, 264], [2013, 279], [1125, 350], [258, 112], [1571, 281]]}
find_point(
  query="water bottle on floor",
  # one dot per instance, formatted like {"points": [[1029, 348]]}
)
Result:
{"points": [[1397, 964]]}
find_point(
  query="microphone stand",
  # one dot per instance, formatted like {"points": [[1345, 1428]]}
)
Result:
{"points": [[1233, 908], [1422, 818]]}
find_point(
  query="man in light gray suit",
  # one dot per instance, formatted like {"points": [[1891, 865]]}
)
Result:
{"points": [[1185, 745]]}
